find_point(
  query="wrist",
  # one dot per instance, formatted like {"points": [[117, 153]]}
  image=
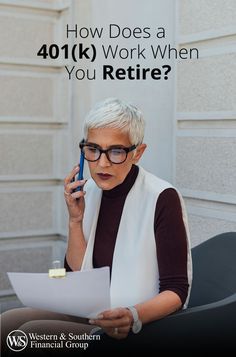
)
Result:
{"points": [[130, 317], [74, 223]]}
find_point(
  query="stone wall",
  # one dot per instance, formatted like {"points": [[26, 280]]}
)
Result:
{"points": [[206, 116]]}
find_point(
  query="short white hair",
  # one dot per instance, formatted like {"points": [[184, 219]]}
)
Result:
{"points": [[117, 114]]}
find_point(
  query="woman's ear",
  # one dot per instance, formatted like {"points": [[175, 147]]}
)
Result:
{"points": [[139, 152]]}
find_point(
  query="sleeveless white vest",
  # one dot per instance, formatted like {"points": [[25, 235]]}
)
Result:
{"points": [[135, 276]]}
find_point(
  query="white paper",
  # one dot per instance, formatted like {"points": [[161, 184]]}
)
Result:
{"points": [[83, 293]]}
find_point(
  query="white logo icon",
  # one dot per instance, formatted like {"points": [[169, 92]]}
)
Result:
{"points": [[17, 340]]}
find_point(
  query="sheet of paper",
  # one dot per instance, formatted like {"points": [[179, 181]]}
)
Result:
{"points": [[84, 293]]}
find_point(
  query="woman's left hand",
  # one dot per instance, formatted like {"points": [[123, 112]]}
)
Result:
{"points": [[116, 322]]}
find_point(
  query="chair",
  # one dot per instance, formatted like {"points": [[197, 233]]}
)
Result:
{"points": [[209, 322]]}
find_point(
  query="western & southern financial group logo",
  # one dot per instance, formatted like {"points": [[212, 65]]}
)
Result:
{"points": [[17, 340]]}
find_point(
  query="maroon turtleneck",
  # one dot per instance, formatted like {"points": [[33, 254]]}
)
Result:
{"points": [[169, 232]]}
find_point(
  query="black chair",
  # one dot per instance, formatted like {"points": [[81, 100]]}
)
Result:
{"points": [[209, 322]]}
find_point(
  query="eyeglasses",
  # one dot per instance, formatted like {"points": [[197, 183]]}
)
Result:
{"points": [[115, 154]]}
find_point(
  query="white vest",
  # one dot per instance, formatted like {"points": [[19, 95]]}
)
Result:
{"points": [[135, 276]]}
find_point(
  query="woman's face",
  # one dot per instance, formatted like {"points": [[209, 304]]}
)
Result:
{"points": [[106, 174]]}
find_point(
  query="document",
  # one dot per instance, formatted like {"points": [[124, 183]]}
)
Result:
{"points": [[83, 293]]}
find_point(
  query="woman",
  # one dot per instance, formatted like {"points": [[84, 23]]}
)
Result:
{"points": [[127, 219], [140, 231]]}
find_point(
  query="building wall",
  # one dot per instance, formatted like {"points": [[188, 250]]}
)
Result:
{"points": [[206, 116], [41, 116], [35, 108], [155, 98]]}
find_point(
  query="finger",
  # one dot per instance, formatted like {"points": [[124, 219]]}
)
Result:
{"points": [[114, 334], [124, 330], [114, 313], [118, 336], [72, 186], [71, 175], [73, 196], [78, 194], [121, 322]]}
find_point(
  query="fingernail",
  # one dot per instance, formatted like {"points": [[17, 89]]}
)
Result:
{"points": [[91, 321], [100, 316]]}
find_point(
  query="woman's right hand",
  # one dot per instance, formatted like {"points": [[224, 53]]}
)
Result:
{"points": [[74, 200]]}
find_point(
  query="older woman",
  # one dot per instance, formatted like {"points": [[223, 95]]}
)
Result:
{"points": [[127, 219]]}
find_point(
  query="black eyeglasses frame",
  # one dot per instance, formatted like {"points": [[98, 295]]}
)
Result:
{"points": [[83, 143]]}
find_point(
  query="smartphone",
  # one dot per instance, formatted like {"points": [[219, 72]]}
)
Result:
{"points": [[81, 170]]}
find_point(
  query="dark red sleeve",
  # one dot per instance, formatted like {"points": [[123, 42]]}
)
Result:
{"points": [[171, 242]]}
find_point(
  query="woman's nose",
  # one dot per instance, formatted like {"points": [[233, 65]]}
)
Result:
{"points": [[103, 161]]}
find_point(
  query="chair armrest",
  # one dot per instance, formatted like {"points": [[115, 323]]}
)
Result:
{"points": [[230, 300], [213, 323], [207, 327]]}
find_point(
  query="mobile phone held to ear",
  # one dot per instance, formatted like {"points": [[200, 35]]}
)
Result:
{"points": [[81, 170]]}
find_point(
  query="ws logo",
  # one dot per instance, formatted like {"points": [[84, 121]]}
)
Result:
{"points": [[17, 340]]}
